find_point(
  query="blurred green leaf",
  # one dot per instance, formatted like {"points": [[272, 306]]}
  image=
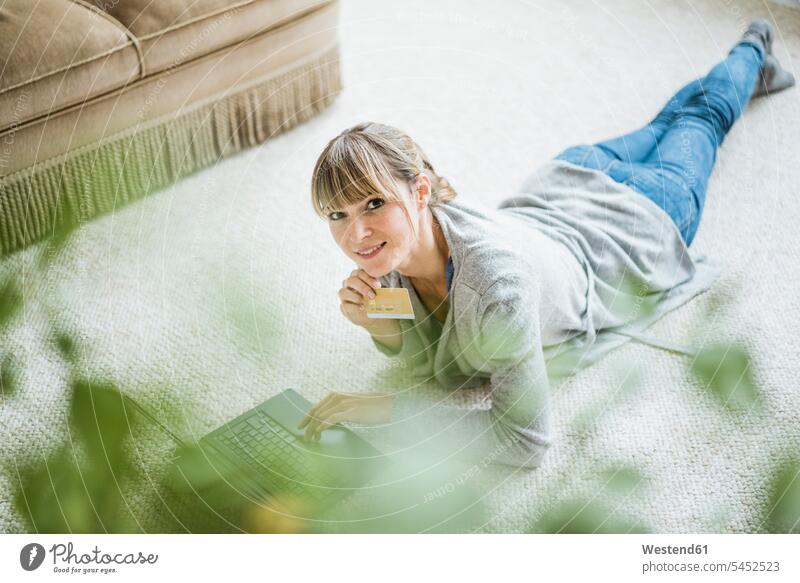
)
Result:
{"points": [[196, 470], [66, 346], [720, 298], [8, 376], [57, 495], [53, 498], [635, 298], [99, 416], [725, 370], [10, 301], [77, 488], [60, 495], [419, 492], [621, 481], [585, 517], [587, 418], [208, 491], [783, 511]]}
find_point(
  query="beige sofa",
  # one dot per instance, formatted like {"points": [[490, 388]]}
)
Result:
{"points": [[103, 101]]}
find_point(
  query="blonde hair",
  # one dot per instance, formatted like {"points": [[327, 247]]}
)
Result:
{"points": [[366, 160]]}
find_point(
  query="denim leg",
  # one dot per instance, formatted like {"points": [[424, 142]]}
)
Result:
{"points": [[587, 156], [637, 145], [634, 146], [686, 153], [671, 158]]}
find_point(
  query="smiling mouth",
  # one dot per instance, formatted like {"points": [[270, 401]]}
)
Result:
{"points": [[372, 252]]}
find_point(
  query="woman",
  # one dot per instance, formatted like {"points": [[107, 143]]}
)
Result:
{"points": [[588, 235]]}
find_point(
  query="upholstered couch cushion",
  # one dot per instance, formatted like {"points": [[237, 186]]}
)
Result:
{"points": [[54, 53], [172, 92], [227, 75], [175, 31]]}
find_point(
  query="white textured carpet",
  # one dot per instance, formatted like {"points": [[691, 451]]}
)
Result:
{"points": [[489, 93]]}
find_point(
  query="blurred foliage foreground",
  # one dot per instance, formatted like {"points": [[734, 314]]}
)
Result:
{"points": [[78, 487]]}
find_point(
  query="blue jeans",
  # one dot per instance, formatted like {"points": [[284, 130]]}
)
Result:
{"points": [[670, 159]]}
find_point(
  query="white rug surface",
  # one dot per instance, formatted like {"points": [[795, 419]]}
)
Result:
{"points": [[159, 291]]}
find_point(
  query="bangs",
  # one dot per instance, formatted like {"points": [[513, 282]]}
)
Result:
{"points": [[343, 180]]}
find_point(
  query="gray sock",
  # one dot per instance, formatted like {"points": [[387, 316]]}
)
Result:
{"points": [[772, 78], [760, 31]]}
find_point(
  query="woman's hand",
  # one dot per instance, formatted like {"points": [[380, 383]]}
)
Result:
{"points": [[357, 289], [337, 406]]}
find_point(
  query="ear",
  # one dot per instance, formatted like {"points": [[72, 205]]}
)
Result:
{"points": [[422, 190]]}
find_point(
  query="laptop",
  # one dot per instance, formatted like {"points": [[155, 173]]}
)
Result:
{"points": [[265, 454]]}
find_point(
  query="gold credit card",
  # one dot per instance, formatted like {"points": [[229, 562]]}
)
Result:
{"points": [[391, 302]]}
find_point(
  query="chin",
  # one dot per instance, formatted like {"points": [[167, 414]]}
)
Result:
{"points": [[375, 271], [376, 268]]}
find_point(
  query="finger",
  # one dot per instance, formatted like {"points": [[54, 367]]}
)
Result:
{"points": [[337, 417], [365, 278], [373, 282], [350, 308], [310, 431], [315, 422], [348, 295], [310, 428], [324, 416], [351, 311], [361, 287], [331, 421], [342, 402], [307, 418], [368, 279], [313, 410]]}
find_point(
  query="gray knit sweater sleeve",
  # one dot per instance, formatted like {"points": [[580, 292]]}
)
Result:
{"points": [[506, 345]]}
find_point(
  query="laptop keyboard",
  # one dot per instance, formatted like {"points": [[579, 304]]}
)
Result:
{"points": [[267, 447]]}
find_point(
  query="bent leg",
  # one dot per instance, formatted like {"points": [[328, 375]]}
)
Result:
{"points": [[671, 158], [687, 151], [636, 146]]}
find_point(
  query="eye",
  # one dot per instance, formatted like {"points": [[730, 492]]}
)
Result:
{"points": [[335, 215], [380, 202]]}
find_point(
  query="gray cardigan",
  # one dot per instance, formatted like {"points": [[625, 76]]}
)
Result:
{"points": [[571, 266]]}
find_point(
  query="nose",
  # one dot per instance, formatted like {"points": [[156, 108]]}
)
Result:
{"points": [[359, 230]]}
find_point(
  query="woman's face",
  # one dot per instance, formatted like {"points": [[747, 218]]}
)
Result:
{"points": [[375, 233]]}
